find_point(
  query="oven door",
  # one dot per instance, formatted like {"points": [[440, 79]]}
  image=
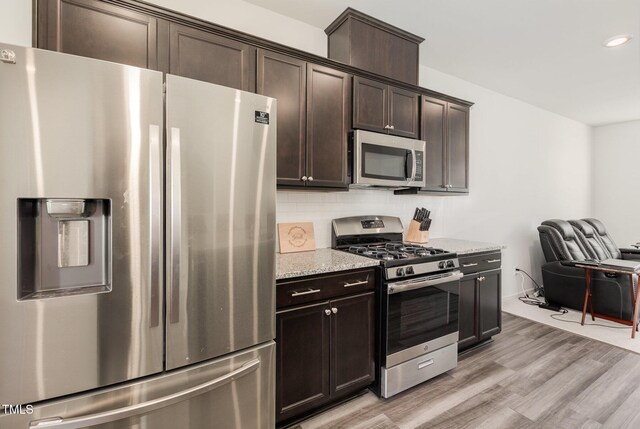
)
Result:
{"points": [[421, 316], [389, 161]]}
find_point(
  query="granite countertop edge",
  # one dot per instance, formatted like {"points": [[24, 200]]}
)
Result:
{"points": [[319, 261], [326, 260]]}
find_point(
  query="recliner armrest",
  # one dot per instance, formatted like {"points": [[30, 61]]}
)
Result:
{"points": [[630, 254]]}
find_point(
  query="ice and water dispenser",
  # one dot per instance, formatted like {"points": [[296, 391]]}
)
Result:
{"points": [[65, 247]]}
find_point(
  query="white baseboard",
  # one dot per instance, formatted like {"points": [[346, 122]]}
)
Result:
{"points": [[516, 295]]}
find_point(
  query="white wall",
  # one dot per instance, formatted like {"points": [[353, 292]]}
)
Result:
{"points": [[616, 180], [527, 164], [15, 22]]}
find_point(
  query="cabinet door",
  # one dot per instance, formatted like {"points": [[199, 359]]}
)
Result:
{"points": [[458, 147], [434, 120], [370, 105], [302, 359], [489, 303], [403, 112], [467, 312], [328, 118], [285, 79], [352, 345], [205, 56], [95, 29]]}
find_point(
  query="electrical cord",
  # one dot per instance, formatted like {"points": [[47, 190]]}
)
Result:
{"points": [[531, 300], [526, 298], [565, 311]]}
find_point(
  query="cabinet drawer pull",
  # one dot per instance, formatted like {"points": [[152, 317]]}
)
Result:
{"points": [[334, 310], [425, 364], [473, 264], [306, 292], [359, 283], [327, 312], [493, 261]]}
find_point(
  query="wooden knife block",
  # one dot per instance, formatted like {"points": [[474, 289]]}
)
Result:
{"points": [[414, 235]]}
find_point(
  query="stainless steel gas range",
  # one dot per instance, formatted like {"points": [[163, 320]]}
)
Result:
{"points": [[417, 301]]}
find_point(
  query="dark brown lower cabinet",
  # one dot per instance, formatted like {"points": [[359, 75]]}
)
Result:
{"points": [[324, 352], [480, 312], [302, 365]]}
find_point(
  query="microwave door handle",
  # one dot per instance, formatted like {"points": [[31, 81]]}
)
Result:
{"points": [[415, 164], [409, 166]]}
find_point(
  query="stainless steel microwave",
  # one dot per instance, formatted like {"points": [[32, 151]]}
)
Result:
{"points": [[382, 160]]}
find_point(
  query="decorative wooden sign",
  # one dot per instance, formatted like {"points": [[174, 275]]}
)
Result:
{"points": [[296, 237]]}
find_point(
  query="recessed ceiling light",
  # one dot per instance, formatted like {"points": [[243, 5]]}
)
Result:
{"points": [[616, 41]]}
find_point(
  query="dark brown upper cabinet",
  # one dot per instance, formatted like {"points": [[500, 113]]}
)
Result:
{"points": [[201, 55], [373, 45], [328, 125], [285, 78], [445, 128], [96, 29], [313, 120], [384, 108]]}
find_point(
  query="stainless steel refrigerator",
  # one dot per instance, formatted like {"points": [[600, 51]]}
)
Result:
{"points": [[137, 218]]}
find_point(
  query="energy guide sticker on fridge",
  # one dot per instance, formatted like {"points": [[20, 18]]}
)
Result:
{"points": [[262, 117]]}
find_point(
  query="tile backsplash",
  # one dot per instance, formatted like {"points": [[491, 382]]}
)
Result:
{"points": [[320, 208]]}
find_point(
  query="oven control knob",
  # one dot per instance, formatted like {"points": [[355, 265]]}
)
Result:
{"points": [[400, 272], [442, 265], [450, 264], [410, 271]]}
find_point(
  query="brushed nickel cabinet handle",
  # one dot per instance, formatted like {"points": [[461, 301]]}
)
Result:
{"points": [[306, 292], [334, 310], [391, 127], [358, 283], [310, 179], [473, 264], [303, 178], [327, 312], [493, 261]]}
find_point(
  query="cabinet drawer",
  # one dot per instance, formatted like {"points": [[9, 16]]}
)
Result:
{"points": [[480, 262], [324, 287]]}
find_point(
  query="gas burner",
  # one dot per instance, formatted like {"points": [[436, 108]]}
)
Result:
{"points": [[382, 254], [400, 247], [399, 255]]}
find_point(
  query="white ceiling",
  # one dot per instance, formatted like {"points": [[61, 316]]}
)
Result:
{"points": [[546, 52]]}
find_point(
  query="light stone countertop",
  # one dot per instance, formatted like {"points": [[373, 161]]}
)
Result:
{"points": [[290, 265], [301, 264], [463, 247]]}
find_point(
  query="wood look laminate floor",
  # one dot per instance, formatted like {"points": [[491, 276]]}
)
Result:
{"points": [[531, 376]]}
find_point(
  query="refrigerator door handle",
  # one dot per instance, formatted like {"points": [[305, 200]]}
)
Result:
{"points": [[155, 160], [146, 407], [175, 231]]}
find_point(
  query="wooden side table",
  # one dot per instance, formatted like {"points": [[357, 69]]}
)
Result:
{"points": [[588, 298]]}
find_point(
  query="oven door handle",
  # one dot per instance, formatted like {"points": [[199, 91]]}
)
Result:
{"points": [[410, 285]]}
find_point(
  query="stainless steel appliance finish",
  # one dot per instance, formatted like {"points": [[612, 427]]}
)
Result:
{"points": [[96, 332], [418, 370], [221, 167], [78, 129], [383, 160], [418, 301], [212, 394]]}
